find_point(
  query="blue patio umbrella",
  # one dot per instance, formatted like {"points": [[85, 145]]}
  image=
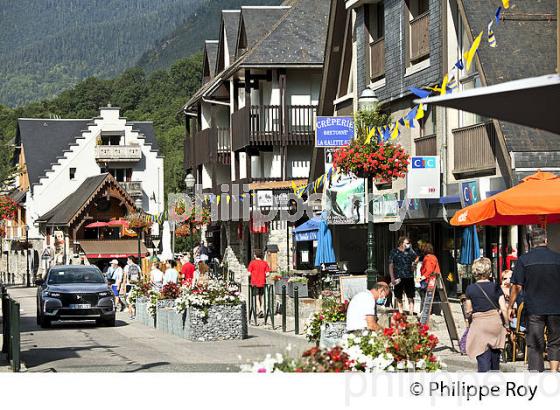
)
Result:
{"points": [[470, 249], [325, 251]]}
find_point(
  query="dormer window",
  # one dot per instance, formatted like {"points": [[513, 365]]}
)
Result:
{"points": [[111, 137]]}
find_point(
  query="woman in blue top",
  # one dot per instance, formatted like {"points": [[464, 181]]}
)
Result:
{"points": [[486, 307]]}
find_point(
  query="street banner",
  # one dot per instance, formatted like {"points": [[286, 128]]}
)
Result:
{"points": [[332, 132], [423, 178], [345, 201]]}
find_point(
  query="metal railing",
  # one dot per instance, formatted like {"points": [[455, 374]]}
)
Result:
{"points": [[420, 37], [118, 153], [11, 344]]}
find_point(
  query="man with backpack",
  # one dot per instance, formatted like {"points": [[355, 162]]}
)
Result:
{"points": [[115, 276], [132, 274]]}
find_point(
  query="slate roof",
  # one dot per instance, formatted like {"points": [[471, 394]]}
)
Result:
{"points": [[526, 47], [231, 26], [258, 21], [211, 50], [44, 140], [64, 212], [299, 38]]}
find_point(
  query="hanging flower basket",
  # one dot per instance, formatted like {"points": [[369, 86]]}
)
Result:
{"points": [[185, 230], [8, 207], [139, 220], [384, 162]]}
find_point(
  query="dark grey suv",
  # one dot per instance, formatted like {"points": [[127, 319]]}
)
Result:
{"points": [[74, 292]]}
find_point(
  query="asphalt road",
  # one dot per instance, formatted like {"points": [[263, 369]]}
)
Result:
{"points": [[133, 347]]}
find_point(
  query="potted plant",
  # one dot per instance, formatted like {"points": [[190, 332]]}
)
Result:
{"points": [[301, 283], [139, 220], [326, 326]]}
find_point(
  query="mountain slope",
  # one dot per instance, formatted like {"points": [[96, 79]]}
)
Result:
{"points": [[189, 38], [47, 46]]}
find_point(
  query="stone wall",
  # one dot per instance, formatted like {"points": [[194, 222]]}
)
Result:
{"points": [[16, 261], [223, 322]]}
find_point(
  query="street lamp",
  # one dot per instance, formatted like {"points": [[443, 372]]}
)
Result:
{"points": [[190, 182], [367, 101], [138, 203]]}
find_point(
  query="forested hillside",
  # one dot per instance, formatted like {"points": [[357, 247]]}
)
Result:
{"points": [[157, 97], [189, 38], [49, 45]]}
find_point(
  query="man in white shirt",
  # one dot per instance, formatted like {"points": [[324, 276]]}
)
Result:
{"points": [[362, 310], [171, 274], [115, 275]]}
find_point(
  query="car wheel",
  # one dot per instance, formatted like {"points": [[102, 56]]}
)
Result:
{"points": [[44, 322]]}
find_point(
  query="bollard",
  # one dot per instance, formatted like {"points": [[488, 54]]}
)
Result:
{"points": [[272, 304], [5, 320], [283, 308], [15, 336], [296, 310], [250, 298]]}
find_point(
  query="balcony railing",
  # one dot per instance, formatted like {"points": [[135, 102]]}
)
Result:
{"points": [[420, 37], [211, 145], [426, 145], [271, 125], [118, 153], [377, 58], [201, 145], [475, 148], [134, 188]]}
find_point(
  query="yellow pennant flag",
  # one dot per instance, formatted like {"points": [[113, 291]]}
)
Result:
{"points": [[505, 3], [420, 112], [228, 198], [395, 132], [370, 135], [294, 187], [444, 85], [218, 198], [469, 55], [406, 123]]}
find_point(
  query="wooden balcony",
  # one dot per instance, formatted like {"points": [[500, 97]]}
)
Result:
{"points": [[475, 149], [377, 59], [211, 145], [118, 153], [426, 145], [420, 37], [201, 146], [260, 125]]}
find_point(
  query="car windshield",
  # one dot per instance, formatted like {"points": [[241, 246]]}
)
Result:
{"points": [[64, 276]]}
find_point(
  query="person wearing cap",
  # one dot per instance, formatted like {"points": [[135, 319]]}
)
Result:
{"points": [[115, 276], [537, 274]]}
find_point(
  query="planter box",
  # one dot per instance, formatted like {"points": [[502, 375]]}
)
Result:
{"points": [[331, 333], [278, 286], [163, 311], [142, 314], [223, 322], [302, 289]]}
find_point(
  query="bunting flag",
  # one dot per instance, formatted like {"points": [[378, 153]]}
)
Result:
{"points": [[421, 93], [407, 123], [228, 199], [452, 84], [469, 55], [443, 89], [459, 64], [395, 133], [218, 198], [505, 3], [498, 15], [401, 121], [491, 36], [420, 113], [379, 134], [371, 133], [294, 187]]}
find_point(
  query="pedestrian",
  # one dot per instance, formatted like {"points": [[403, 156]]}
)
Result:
{"points": [[402, 264], [537, 274], [258, 270], [486, 311], [362, 309], [187, 270], [132, 274], [506, 283], [200, 275], [429, 268], [115, 275], [156, 277], [171, 275]]}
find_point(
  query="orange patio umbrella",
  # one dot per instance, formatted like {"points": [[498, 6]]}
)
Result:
{"points": [[535, 200]]}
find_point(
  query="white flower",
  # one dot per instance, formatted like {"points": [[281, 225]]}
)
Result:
{"points": [[365, 333], [401, 365], [421, 364]]}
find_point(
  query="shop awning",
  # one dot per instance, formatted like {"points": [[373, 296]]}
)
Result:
{"points": [[307, 231], [112, 249]]}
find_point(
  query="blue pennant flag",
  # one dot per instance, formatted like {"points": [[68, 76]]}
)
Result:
{"points": [[386, 133], [459, 64], [498, 14], [419, 92], [401, 121]]}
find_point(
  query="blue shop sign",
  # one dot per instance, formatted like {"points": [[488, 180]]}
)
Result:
{"points": [[333, 131]]}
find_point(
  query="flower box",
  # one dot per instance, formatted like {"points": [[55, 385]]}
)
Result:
{"points": [[302, 289], [331, 334], [278, 285]]}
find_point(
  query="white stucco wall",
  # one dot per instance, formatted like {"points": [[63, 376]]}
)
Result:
{"points": [[56, 185]]}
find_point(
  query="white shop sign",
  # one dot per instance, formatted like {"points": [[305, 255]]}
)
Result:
{"points": [[423, 179]]}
